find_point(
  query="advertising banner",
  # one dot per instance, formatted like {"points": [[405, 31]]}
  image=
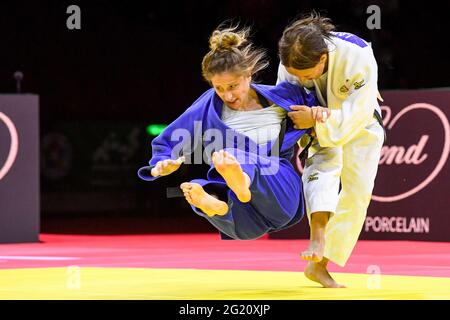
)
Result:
{"points": [[411, 198], [19, 168]]}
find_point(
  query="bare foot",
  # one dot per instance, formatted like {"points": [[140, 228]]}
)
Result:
{"points": [[318, 272], [314, 252], [196, 196], [230, 169]]}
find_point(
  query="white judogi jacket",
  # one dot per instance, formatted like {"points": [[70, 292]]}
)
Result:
{"points": [[349, 143], [351, 90]]}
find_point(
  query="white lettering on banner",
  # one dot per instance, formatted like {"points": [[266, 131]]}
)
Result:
{"points": [[398, 154], [397, 224], [14, 147], [414, 154]]}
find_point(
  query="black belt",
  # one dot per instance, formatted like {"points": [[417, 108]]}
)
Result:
{"points": [[304, 154], [377, 116]]}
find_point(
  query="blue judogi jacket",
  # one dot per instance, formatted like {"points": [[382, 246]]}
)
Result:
{"points": [[276, 197], [184, 134]]}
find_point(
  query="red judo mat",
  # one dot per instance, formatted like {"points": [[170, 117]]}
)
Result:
{"points": [[208, 251]]}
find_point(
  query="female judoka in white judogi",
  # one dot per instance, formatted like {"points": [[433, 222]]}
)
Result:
{"points": [[341, 68]]}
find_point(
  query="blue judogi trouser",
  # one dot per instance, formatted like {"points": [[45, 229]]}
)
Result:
{"points": [[276, 201]]}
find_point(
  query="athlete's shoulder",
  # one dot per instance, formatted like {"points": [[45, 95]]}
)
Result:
{"points": [[284, 89], [349, 39], [349, 51]]}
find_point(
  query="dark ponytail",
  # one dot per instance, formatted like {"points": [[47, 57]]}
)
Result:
{"points": [[303, 41]]}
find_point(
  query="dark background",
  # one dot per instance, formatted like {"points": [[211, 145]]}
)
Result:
{"points": [[136, 63]]}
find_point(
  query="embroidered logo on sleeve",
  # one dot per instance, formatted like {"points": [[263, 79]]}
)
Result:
{"points": [[313, 177], [359, 84], [345, 88]]}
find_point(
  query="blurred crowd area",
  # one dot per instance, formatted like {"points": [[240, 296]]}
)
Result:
{"points": [[133, 58]]}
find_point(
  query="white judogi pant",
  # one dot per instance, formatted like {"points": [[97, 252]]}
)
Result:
{"points": [[350, 142], [354, 165]]}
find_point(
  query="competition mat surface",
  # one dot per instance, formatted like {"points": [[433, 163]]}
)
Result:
{"points": [[203, 267]]}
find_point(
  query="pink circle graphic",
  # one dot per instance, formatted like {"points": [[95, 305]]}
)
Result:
{"points": [[442, 160], [13, 149]]}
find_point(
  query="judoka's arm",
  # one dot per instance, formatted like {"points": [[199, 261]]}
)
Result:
{"points": [[305, 117], [163, 161], [167, 148], [357, 108], [304, 109], [166, 167]]}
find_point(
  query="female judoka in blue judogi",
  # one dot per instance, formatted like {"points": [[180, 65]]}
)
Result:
{"points": [[251, 188]]}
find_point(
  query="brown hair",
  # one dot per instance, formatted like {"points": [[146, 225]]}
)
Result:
{"points": [[231, 52], [303, 41]]}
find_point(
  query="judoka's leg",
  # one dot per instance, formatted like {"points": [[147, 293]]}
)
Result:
{"points": [[361, 157], [321, 177], [196, 196], [316, 245], [317, 272], [231, 171], [210, 204]]}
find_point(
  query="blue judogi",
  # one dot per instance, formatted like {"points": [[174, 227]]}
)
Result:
{"points": [[276, 188]]}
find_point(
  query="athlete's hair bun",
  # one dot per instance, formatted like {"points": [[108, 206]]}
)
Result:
{"points": [[227, 39]]}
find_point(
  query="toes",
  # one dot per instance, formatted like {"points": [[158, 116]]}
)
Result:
{"points": [[220, 154], [223, 157], [217, 157], [229, 157], [187, 195], [187, 186], [306, 256], [311, 256]]}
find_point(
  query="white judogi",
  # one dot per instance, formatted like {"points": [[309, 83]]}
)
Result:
{"points": [[348, 145]]}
